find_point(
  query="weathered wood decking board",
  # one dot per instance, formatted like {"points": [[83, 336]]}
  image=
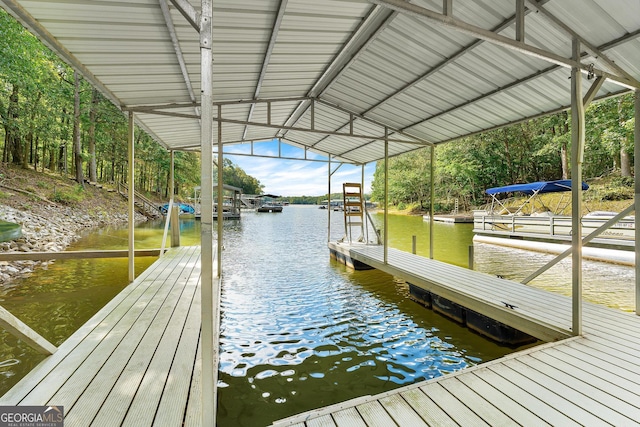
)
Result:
{"points": [[590, 380], [132, 363]]}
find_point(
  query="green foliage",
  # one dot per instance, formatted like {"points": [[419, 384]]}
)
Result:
{"points": [[68, 195], [36, 111], [234, 175], [612, 189], [524, 152]]}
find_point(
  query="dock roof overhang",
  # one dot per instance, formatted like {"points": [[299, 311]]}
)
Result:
{"points": [[329, 76]]}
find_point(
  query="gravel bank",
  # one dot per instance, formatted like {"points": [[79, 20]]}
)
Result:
{"points": [[52, 229]]}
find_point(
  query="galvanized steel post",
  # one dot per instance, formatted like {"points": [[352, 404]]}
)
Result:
{"points": [[431, 200], [577, 153], [220, 209], [329, 200], [386, 196], [131, 191], [208, 341], [636, 170]]}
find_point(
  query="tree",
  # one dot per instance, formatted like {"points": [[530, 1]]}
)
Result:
{"points": [[93, 113], [77, 146]]}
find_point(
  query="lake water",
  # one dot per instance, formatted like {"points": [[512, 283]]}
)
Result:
{"points": [[298, 331]]}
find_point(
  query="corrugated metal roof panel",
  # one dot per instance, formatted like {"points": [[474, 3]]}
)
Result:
{"points": [[400, 70]]}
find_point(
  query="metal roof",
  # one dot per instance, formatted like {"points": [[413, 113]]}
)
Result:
{"points": [[429, 71]]}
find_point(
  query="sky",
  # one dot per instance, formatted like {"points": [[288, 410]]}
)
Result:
{"points": [[295, 177]]}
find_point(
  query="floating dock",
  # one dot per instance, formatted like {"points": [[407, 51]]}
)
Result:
{"points": [[134, 363], [451, 219], [593, 379]]}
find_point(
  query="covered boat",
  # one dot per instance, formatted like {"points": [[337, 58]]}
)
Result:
{"points": [[534, 226], [533, 189]]}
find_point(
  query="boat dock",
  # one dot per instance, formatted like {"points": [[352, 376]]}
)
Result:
{"points": [[593, 379], [451, 219], [134, 363]]}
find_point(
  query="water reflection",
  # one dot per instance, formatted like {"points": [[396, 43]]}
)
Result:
{"points": [[300, 332]]}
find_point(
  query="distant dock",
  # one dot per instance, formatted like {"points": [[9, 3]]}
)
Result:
{"points": [[451, 219]]}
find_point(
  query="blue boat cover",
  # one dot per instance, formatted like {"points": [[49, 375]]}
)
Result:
{"points": [[541, 187], [184, 208]]}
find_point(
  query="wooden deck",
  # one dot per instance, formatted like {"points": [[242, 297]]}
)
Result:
{"points": [[136, 362], [590, 380]]}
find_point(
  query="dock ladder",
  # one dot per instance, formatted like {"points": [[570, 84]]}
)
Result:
{"points": [[353, 206]]}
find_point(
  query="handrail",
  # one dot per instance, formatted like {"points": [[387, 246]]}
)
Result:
{"points": [[46, 256], [166, 226], [370, 221], [147, 205]]}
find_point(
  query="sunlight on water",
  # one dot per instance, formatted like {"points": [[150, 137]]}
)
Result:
{"points": [[298, 331]]}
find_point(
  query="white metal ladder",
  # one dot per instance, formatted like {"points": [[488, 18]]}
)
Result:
{"points": [[353, 209]]}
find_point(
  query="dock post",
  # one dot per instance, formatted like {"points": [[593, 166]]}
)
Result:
{"points": [[577, 154], [209, 342], [386, 196], [413, 244], [471, 256], [175, 226], [132, 196], [329, 200], [432, 200], [636, 167]]}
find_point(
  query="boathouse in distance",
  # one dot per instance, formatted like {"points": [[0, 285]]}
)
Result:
{"points": [[356, 81]]}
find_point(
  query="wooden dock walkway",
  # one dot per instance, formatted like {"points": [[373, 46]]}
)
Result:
{"points": [[136, 362], [589, 380]]}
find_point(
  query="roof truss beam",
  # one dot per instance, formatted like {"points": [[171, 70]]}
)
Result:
{"points": [[161, 110], [594, 50], [592, 92], [193, 147], [267, 57], [176, 46], [376, 21], [505, 24], [403, 6], [189, 12], [319, 131]]}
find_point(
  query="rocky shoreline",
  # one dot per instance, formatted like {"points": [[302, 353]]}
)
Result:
{"points": [[52, 229]]}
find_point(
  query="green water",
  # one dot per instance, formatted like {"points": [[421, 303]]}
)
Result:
{"points": [[298, 331], [450, 241]]}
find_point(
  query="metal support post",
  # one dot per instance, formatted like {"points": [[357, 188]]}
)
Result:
{"points": [[132, 195], [386, 196], [329, 200], [577, 154], [220, 194], [175, 226], [172, 177], [636, 169], [365, 219], [432, 200], [209, 305]]}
